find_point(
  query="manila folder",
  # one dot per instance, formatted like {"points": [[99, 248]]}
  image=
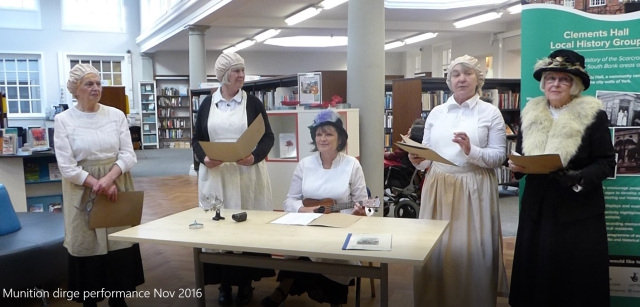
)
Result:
{"points": [[127, 211], [414, 147], [537, 164], [234, 151]]}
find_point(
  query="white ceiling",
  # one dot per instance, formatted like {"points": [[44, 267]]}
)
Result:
{"points": [[242, 19]]}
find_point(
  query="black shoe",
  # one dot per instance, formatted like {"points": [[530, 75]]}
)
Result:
{"points": [[245, 293], [268, 302], [224, 296]]}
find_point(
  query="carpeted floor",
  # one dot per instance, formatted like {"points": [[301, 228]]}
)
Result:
{"points": [[163, 162]]}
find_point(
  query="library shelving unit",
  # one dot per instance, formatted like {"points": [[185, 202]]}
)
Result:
{"points": [[173, 112], [333, 82], [415, 97], [148, 109], [33, 181]]}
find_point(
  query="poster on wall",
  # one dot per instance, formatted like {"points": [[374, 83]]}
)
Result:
{"points": [[309, 88], [611, 47]]}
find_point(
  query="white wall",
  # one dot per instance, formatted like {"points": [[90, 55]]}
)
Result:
{"points": [[52, 40]]}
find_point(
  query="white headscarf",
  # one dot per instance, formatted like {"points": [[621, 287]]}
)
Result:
{"points": [[470, 62]]}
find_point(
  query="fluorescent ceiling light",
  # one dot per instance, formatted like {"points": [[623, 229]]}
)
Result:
{"points": [[420, 37], [516, 9], [329, 4], [245, 44], [393, 45], [437, 4], [303, 15], [231, 49], [308, 41], [477, 19], [266, 35]]}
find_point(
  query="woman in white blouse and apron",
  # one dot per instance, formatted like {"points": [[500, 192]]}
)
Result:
{"points": [[467, 268], [243, 184]]}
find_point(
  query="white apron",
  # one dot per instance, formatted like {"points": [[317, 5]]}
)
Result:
{"points": [[239, 187], [466, 268]]}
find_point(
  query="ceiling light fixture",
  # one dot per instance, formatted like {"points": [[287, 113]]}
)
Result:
{"points": [[421, 37], [393, 45], [437, 4], [329, 4], [231, 49], [303, 15], [516, 9], [477, 19], [266, 35], [308, 41], [243, 44]]}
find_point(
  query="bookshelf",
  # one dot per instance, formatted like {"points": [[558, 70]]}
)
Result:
{"points": [[31, 180], [333, 82], [415, 97], [148, 109], [174, 116]]}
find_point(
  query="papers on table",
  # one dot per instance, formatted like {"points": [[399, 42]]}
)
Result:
{"points": [[337, 220], [366, 241], [537, 164], [414, 147]]}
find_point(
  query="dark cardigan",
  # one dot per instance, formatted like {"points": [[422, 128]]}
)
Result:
{"points": [[254, 108]]}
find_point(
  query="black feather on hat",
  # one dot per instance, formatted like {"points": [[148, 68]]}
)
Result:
{"points": [[563, 60]]}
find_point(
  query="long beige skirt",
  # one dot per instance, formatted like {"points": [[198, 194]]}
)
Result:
{"points": [[467, 268]]}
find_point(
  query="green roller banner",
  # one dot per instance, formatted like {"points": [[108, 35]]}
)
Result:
{"points": [[611, 47]]}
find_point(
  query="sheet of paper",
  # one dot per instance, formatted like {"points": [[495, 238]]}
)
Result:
{"points": [[366, 241], [337, 220], [537, 164], [234, 151], [295, 218], [414, 147]]}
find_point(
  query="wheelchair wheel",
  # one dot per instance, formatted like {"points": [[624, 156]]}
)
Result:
{"points": [[407, 209]]}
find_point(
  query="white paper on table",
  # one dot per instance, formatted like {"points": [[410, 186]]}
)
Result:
{"points": [[296, 218]]}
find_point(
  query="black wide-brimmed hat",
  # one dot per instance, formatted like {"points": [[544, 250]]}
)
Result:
{"points": [[563, 60]]}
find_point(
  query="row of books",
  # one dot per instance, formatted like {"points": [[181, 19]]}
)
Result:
{"points": [[433, 98], [172, 102], [174, 134], [39, 139], [388, 100], [503, 99], [172, 112], [174, 123]]}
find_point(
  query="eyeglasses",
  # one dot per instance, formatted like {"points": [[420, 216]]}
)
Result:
{"points": [[563, 80], [89, 204]]}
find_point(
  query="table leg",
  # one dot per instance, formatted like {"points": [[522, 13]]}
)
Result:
{"points": [[198, 266], [384, 284]]}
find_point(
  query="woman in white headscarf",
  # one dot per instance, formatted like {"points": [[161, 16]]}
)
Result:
{"points": [[94, 153], [466, 268], [243, 184]]}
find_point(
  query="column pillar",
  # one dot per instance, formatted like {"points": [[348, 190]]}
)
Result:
{"points": [[197, 56], [365, 85]]}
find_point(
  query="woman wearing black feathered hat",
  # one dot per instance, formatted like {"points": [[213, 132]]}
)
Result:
{"points": [[561, 253]]}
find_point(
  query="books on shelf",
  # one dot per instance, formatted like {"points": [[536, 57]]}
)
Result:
{"points": [[9, 143], [38, 137], [288, 148], [54, 172]]}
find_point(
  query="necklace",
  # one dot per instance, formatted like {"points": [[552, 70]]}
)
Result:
{"points": [[558, 109]]}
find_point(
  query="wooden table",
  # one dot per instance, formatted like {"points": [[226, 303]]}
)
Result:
{"points": [[412, 243]]}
